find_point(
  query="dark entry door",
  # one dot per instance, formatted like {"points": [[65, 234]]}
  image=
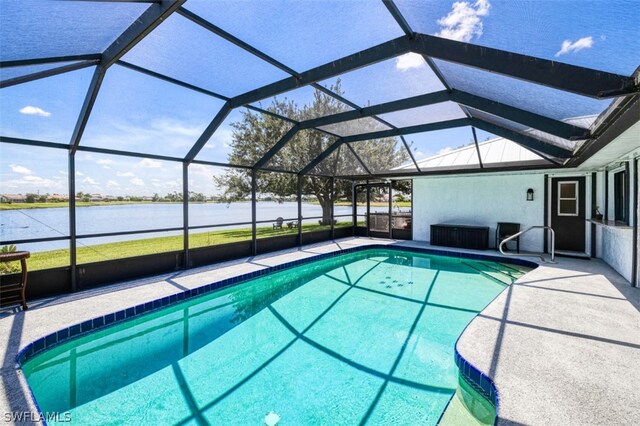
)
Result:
{"points": [[568, 213]]}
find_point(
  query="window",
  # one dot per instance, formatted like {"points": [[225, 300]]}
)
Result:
{"points": [[568, 198], [620, 197]]}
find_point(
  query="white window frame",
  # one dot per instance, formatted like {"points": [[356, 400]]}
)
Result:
{"points": [[560, 198]]}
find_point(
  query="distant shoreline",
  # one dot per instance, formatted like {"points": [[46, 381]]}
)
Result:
{"points": [[26, 206], [54, 205]]}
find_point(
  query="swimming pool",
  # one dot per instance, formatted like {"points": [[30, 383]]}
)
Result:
{"points": [[364, 337]]}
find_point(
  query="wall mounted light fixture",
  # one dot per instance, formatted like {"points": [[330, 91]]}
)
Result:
{"points": [[529, 194]]}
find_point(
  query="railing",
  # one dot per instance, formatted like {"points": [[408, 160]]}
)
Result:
{"points": [[514, 236]]}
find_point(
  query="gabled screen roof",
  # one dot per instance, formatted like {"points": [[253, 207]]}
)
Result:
{"points": [[345, 89]]}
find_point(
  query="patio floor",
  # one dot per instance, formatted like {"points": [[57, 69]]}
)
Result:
{"points": [[562, 344]]}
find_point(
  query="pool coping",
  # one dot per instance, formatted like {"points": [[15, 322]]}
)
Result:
{"points": [[473, 376]]}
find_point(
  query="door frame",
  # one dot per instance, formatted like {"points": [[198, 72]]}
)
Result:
{"points": [[553, 179]]}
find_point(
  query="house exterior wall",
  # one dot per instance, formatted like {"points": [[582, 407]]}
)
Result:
{"points": [[615, 245], [491, 198], [617, 249], [480, 200]]}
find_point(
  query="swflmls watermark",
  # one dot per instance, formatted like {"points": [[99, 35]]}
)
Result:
{"points": [[28, 416]]}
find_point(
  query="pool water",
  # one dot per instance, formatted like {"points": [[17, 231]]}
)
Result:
{"points": [[366, 337]]}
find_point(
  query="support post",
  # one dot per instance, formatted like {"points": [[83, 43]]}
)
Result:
{"points": [[332, 193], [634, 267], [390, 212], [594, 186], [606, 194], [299, 193], [354, 207], [254, 245], [627, 190], [368, 225], [412, 209], [185, 212], [72, 221], [546, 214]]}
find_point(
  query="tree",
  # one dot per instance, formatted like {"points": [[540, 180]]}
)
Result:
{"points": [[254, 134]]}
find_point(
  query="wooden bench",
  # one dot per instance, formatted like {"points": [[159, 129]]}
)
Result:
{"points": [[14, 292]]}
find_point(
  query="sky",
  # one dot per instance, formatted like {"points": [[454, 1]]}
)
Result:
{"points": [[139, 113]]}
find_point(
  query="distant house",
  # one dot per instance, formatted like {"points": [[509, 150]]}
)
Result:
{"points": [[96, 197], [12, 198], [147, 198], [57, 198]]}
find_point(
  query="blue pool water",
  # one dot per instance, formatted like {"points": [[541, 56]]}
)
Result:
{"points": [[366, 337]]}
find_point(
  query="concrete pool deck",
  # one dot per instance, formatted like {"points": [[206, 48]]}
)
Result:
{"points": [[562, 344]]}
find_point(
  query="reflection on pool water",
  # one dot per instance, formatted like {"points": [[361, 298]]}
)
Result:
{"points": [[365, 337]]}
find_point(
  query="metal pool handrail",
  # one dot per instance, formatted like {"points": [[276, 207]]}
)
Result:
{"points": [[553, 244]]}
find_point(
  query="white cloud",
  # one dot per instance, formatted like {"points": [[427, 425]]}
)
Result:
{"points": [[31, 183], [464, 21], [169, 184], [19, 169], [173, 135], [204, 171], [409, 60], [125, 174], [150, 164], [105, 161], [136, 182], [444, 150], [112, 184], [570, 47], [89, 181], [32, 110], [80, 173]]}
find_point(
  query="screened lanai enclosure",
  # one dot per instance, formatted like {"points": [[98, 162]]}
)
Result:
{"points": [[186, 132]]}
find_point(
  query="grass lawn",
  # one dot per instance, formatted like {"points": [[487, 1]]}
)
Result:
{"points": [[119, 250]]}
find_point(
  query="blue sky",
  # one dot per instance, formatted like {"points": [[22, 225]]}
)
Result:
{"points": [[139, 113]]}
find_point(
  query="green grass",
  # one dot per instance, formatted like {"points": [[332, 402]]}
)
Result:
{"points": [[119, 250]]}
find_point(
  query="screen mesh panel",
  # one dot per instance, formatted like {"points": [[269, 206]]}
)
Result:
{"points": [[42, 29], [135, 112]]}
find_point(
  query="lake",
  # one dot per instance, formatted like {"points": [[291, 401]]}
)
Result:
{"points": [[54, 222]]}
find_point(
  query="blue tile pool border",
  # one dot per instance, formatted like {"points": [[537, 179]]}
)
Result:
{"points": [[473, 376]]}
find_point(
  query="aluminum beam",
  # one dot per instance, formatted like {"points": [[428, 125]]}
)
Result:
{"points": [[47, 73], [324, 154], [522, 139], [50, 60], [413, 102], [277, 147], [460, 122], [381, 52], [147, 22], [570, 78], [475, 141], [208, 132], [536, 121]]}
